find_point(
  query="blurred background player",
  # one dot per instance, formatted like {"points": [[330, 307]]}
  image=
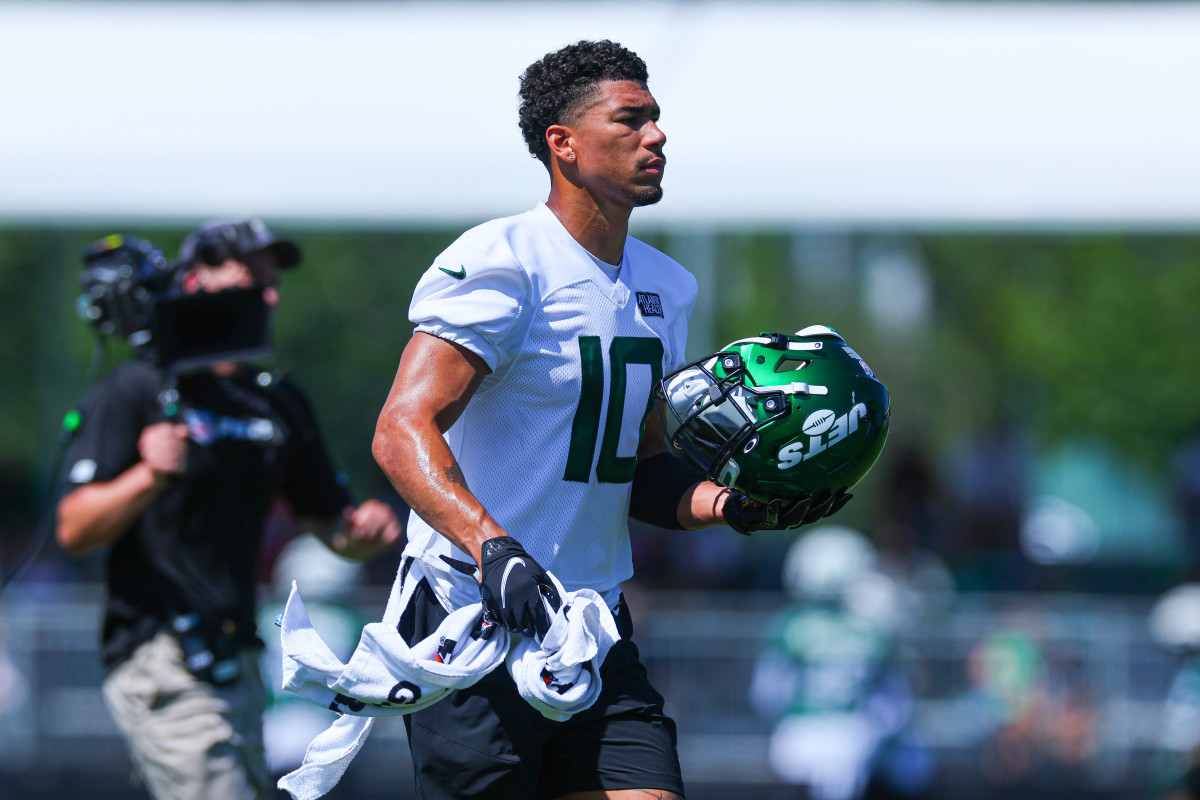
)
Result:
{"points": [[829, 677], [176, 474], [1174, 623]]}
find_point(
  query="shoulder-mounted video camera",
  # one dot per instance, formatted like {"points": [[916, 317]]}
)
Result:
{"points": [[130, 291], [122, 277]]}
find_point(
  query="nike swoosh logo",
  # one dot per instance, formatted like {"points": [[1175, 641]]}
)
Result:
{"points": [[512, 562], [462, 272]]}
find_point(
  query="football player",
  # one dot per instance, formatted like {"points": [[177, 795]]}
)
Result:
{"points": [[518, 429]]}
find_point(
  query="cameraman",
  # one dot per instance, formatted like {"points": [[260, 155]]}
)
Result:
{"points": [[181, 502]]}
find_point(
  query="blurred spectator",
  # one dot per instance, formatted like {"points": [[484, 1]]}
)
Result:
{"points": [[1033, 717], [914, 503], [989, 482], [1006, 670]]}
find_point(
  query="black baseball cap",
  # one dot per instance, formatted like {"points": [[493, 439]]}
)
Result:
{"points": [[217, 240]]}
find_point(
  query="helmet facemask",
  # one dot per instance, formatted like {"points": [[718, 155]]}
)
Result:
{"points": [[716, 413]]}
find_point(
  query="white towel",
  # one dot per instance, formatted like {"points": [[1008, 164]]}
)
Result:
{"points": [[559, 676], [327, 758], [385, 676]]}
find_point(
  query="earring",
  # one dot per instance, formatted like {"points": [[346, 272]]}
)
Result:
{"points": [[570, 156]]}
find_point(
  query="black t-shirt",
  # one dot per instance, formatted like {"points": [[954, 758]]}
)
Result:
{"points": [[253, 438]]}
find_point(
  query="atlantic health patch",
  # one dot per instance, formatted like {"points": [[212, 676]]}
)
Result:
{"points": [[650, 304]]}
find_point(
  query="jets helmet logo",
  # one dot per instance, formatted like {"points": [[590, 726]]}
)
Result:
{"points": [[824, 431], [818, 422]]}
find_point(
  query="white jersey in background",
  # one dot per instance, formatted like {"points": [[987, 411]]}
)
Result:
{"points": [[548, 442]]}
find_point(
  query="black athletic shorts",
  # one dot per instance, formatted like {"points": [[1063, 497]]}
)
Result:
{"points": [[488, 742]]}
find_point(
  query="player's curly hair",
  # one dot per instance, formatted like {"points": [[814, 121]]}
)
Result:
{"points": [[553, 87]]}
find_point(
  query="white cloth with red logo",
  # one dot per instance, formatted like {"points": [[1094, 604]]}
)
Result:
{"points": [[385, 676]]}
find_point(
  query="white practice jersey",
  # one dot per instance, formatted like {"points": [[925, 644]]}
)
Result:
{"points": [[548, 443]]}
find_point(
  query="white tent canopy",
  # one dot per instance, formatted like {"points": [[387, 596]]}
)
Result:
{"points": [[897, 115]]}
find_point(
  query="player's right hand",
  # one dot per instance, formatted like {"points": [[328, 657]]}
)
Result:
{"points": [[163, 447], [746, 515], [512, 588]]}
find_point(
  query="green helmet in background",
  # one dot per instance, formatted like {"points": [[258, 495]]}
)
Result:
{"points": [[778, 416]]}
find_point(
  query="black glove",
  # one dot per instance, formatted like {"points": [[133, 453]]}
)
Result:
{"points": [[513, 587], [746, 515]]}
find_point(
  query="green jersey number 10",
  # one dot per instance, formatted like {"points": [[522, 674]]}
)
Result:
{"points": [[625, 350]]}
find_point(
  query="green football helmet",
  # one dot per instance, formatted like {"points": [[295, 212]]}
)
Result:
{"points": [[778, 416]]}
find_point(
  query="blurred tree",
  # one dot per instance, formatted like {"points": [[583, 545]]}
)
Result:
{"points": [[341, 326], [1082, 335]]}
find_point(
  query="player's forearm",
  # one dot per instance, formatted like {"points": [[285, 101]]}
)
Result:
{"points": [[420, 465], [701, 505], [97, 514], [671, 494]]}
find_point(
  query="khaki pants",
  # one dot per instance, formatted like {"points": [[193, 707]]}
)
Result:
{"points": [[191, 740]]}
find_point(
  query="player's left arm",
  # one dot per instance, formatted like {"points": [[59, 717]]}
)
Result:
{"points": [[669, 493]]}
